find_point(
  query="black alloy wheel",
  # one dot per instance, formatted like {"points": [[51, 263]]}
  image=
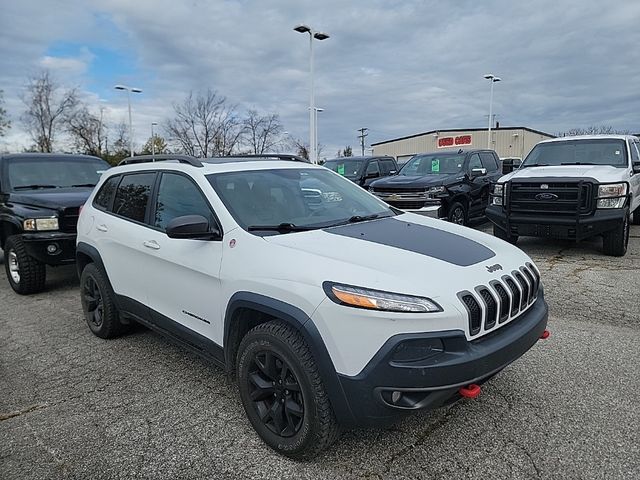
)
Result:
{"points": [[457, 214], [92, 298], [275, 393]]}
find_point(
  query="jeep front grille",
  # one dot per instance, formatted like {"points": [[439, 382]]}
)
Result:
{"points": [[490, 306]]}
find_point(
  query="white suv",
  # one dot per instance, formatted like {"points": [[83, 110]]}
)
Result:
{"points": [[332, 308]]}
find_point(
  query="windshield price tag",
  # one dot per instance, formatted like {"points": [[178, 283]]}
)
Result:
{"points": [[435, 165], [341, 169]]}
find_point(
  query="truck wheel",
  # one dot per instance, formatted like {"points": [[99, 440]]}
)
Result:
{"points": [[26, 274], [282, 391], [457, 213], [98, 304], [615, 242], [503, 235]]}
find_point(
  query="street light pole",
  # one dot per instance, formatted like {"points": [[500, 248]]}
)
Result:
{"points": [[493, 79], [313, 141], [129, 90], [315, 123], [153, 142]]}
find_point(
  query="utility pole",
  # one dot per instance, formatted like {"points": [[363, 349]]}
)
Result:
{"points": [[362, 136]]}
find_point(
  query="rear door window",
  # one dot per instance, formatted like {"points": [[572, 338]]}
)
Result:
{"points": [[132, 195]]}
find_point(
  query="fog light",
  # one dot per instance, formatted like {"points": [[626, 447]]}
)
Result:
{"points": [[395, 396], [52, 248]]}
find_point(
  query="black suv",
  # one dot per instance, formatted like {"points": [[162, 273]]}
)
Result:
{"points": [[454, 185], [363, 170], [40, 199]]}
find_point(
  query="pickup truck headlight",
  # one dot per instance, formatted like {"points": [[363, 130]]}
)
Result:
{"points": [[40, 224], [436, 190], [498, 191], [378, 300], [612, 195]]}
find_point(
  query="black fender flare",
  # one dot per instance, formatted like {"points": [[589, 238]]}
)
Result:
{"points": [[303, 323], [91, 252]]}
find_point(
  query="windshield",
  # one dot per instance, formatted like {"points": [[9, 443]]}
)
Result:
{"points": [[433, 165], [297, 198], [349, 168], [604, 151], [40, 173]]}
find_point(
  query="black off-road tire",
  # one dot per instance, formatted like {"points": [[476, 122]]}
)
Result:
{"points": [[316, 426], [32, 273], [98, 303], [503, 235], [614, 242], [458, 214]]}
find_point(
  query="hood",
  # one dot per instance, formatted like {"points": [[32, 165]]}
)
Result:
{"points": [[416, 180], [602, 173], [52, 199]]}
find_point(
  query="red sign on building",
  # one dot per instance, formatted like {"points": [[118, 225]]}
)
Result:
{"points": [[460, 140]]}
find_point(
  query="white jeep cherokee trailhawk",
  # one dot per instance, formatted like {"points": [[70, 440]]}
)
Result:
{"points": [[332, 308]]}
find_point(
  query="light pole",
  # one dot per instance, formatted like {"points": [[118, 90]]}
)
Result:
{"points": [[315, 123], [129, 91], [153, 141], [493, 79], [313, 145]]}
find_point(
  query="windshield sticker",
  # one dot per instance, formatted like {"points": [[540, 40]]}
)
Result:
{"points": [[341, 169], [617, 152], [435, 165]]}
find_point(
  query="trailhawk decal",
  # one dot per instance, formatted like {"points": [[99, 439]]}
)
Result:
{"points": [[416, 238]]}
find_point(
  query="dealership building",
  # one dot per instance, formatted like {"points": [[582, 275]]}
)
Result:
{"points": [[506, 141]]}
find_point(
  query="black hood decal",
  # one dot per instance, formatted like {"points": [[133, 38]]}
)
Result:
{"points": [[417, 238]]}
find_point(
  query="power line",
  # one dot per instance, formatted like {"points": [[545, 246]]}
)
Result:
{"points": [[362, 137]]}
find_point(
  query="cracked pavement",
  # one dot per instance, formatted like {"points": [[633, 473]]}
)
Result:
{"points": [[75, 406]]}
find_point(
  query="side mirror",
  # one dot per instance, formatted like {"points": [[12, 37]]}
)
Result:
{"points": [[478, 172], [194, 227], [636, 167], [393, 172]]}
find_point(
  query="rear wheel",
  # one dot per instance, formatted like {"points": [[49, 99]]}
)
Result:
{"points": [[503, 235], [282, 391], [615, 242], [457, 214], [98, 303], [26, 274]]}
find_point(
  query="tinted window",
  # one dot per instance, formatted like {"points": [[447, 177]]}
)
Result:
{"points": [[605, 151], [433, 164], [474, 162], [634, 152], [349, 168], [386, 166], [489, 161], [178, 196], [373, 167], [132, 196], [105, 194]]}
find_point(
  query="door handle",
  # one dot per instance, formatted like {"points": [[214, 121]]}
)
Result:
{"points": [[152, 244], [102, 228]]}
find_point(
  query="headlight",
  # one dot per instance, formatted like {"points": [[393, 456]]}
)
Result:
{"points": [[378, 300], [613, 195], [40, 224], [435, 190], [498, 190]]}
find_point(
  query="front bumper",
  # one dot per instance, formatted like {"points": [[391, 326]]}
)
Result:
{"points": [[436, 379], [558, 226], [36, 245]]}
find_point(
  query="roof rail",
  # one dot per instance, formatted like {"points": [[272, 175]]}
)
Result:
{"points": [[279, 156], [162, 158]]}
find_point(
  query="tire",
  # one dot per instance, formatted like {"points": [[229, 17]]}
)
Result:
{"points": [[26, 275], [503, 235], [275, 357], [98, 304], [635, 219], [614, 242], [457, 214]]}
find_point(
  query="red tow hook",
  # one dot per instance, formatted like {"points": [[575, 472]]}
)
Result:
{"points": [[470, 391], [545, 335]]}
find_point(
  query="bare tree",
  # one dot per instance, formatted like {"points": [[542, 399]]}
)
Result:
{"points": [[205, 125], [262, 132], [121, 142], [5, 123], [301, 148], [594, 130], [87, 131], [348, 151], [47, 105]]}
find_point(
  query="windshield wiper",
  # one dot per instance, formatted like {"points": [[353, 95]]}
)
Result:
{"points": [[577, 163], [363, 218], [283, 228], [83, 185], [534, 165], [35, 186]]}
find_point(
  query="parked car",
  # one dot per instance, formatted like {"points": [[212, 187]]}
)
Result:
{"points": [[363, 170], [572, 188], [40, 198], [322, 310], [454, 185]]}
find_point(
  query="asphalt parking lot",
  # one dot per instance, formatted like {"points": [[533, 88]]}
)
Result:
{"points": [[75, 406]]}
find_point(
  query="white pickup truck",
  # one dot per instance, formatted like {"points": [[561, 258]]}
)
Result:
{"points": [[572, 188]]}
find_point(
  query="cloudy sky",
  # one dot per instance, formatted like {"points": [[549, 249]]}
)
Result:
{"points": [[397, 67]]}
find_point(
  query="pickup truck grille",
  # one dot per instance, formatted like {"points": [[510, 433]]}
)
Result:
{"points": [[504, 300], [562, 198], [69, 220], [403, 198]]}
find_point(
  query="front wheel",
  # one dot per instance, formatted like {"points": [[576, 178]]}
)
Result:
{"points": [[26, 274], [615, 242], [283, 393], [457, 214], [503, 235]]}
